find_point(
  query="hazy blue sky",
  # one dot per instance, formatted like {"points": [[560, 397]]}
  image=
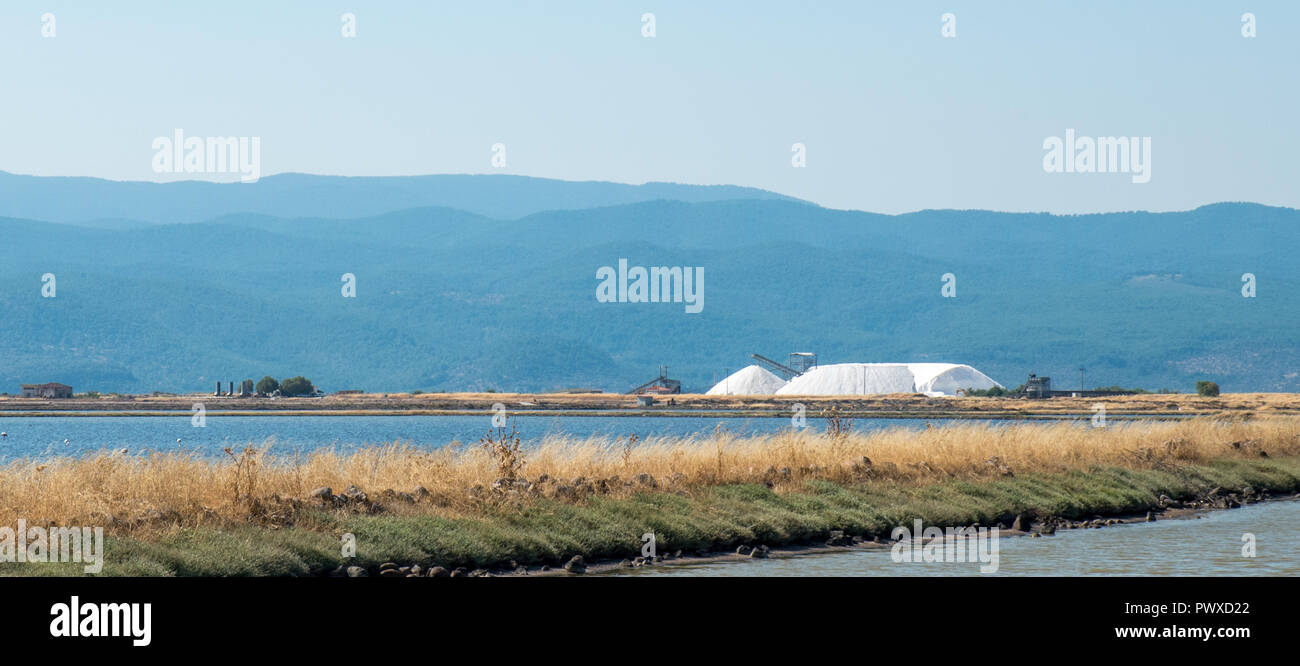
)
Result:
{"points": [[895, 117]]}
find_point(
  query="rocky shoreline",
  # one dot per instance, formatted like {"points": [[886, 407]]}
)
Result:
{"points": [[1025, 524]]}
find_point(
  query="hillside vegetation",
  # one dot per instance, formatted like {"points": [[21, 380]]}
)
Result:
{"points": [[452, 300]]}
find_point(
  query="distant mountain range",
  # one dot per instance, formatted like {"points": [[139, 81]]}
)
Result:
{"points": [[478, 282], [117, 204]]}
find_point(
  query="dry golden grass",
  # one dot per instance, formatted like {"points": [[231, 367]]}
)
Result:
{"points": [[181, 488]]}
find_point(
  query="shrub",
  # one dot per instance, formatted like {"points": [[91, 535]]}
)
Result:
{"points": [[503, 448], [1207, 389], [994, 392], [296, 386], [267, 385]]}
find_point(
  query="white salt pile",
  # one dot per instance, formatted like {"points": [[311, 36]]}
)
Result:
{"points": [[876, 378], [948, 378], [749, 380], [851, 379]]}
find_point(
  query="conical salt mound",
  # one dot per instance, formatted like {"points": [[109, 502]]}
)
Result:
{"points": [[749, 380], [948, 378]]}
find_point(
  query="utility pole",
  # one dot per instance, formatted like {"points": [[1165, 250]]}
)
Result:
{"points": [[1081, 384]]}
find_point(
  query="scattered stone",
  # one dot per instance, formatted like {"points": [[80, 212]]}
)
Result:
{"points": [[415, 569], [339, 572], [521, 570], [743, 550], [459, 572], [420, 493], [355, 494], [838, 538], [391, 573], [759, 552], [437, 572], [647, 480], [480, 573], [1021, 523], [546, 567], [358, 572], [576, 565], [388, 565], [1151, 517], [324, 495], [626, 563]]}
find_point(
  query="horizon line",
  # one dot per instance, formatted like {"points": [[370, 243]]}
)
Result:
{"points": [[777, 195]]}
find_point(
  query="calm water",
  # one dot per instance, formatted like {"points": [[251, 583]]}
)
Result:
{"points": [[42, 436], [1208, 546]]}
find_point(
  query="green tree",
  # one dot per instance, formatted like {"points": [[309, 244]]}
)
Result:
{"points": [[246, 386], [1207, 389], [296, 386], [267, 385]]}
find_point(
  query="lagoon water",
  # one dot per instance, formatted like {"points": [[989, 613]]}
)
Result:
{"points": [[43, 436], [1208, 545]]}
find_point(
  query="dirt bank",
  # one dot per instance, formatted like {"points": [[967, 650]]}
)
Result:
{"points": [[897, 405]]}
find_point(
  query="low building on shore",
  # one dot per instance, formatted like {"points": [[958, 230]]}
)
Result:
{"points": [[50, 390]]}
